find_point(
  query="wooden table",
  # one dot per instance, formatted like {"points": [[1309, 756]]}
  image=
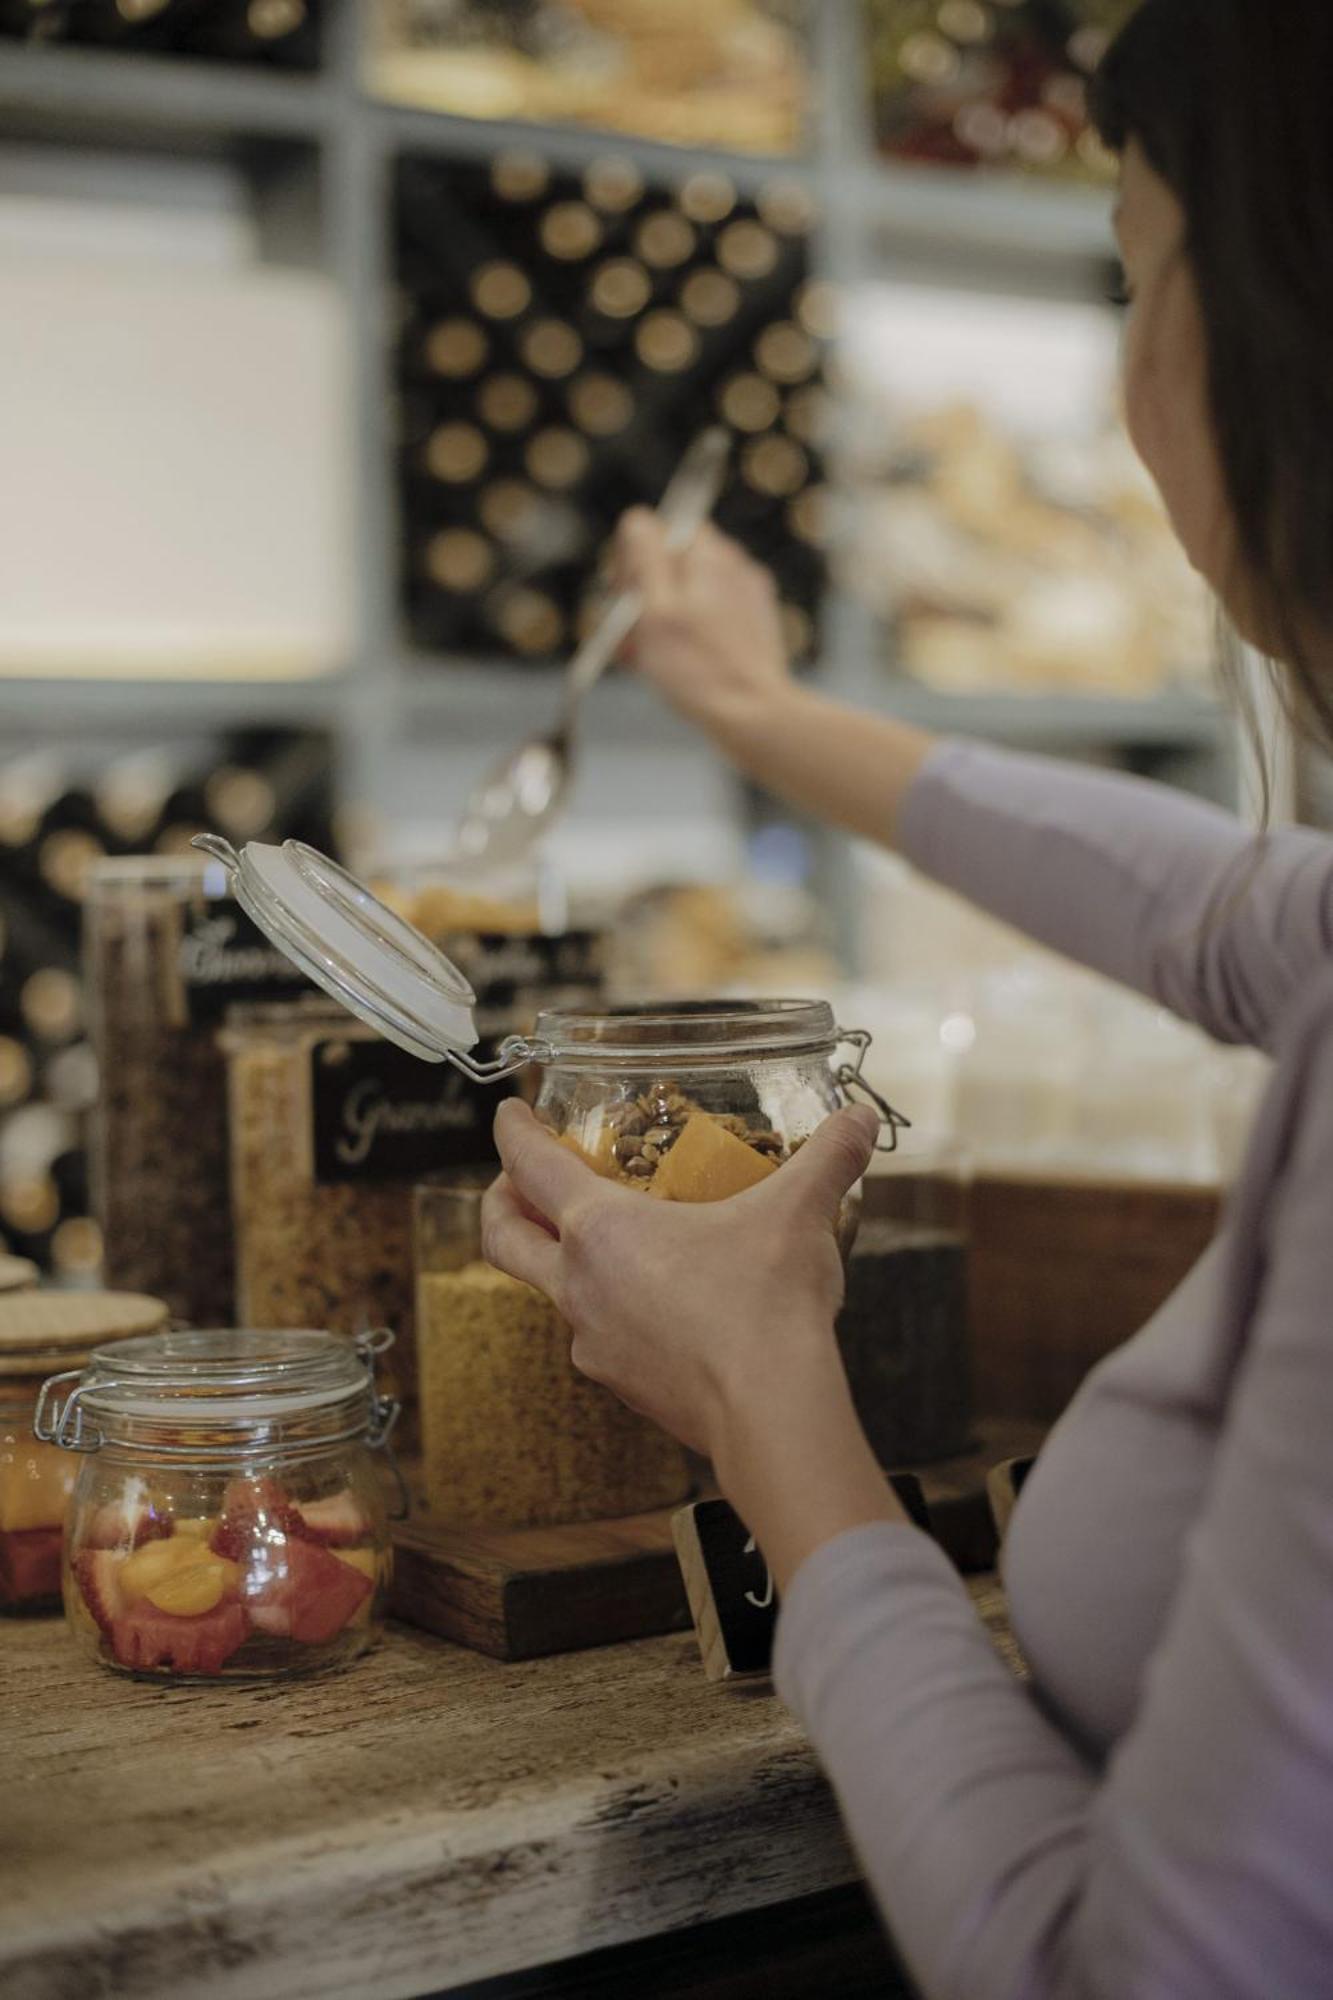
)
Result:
{"points": [[424, 1819]]}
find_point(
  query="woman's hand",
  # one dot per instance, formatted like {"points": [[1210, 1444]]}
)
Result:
{"points": [[685, 1310], [714, 1319], [709, 636]]}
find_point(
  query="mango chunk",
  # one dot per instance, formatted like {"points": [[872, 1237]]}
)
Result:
{"points": [[708, 1163], [197, 1587], [600, 1156]]}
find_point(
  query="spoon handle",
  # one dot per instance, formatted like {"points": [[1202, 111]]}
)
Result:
{"points": [[688, 501]]}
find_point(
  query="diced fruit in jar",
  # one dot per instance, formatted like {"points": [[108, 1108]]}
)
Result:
{"points": [[36, 1481], [154, 1560], [180, 1575], [29, 1565], [337, 1522], [126, 1524], [600, 1156], [195, 1587], [97, 1572], [300, 1591], [202, 1527], [368, 1563], [708, 1163], [365, 1560], [254, 1511], [147, 1637]]}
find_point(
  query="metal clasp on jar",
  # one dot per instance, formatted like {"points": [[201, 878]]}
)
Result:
{"points": [[64, 1423], [384, 1411], [515, 1053], [853, 1084]]}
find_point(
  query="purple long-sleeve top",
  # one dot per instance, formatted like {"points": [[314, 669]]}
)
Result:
{"points": [[1153, 1818]]}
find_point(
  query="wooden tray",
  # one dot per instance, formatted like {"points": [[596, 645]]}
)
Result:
{"points": [[522, 1593]]}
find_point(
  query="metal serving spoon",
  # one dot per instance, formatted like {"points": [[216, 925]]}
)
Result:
{"points": [[513, 806]]}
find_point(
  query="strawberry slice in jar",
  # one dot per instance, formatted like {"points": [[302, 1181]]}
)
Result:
{"points": [[300, 1591]]}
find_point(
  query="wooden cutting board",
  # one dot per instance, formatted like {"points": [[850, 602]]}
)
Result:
{"points": [[522, 1593]]}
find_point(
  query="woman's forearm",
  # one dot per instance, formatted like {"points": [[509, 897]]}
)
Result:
{"points": [[793, 1461], [837, 764]]}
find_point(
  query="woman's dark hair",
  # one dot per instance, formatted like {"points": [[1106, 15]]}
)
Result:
{"points": [[1232, 102]]}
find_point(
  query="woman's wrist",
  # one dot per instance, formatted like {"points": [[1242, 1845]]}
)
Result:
{"points": [[791, 1457], [748, 724]]}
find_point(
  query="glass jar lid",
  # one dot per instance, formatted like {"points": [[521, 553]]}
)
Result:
{"points": [[659, 1033], [40, 1331], [222, 1386], [352, 945]]}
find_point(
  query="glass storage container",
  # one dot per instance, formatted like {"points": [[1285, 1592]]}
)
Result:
{"points": [[331, 1128], [39, 1333], [696, 1101], [227, 1519], [167, 950], [903, 1330], [511, 1433]]}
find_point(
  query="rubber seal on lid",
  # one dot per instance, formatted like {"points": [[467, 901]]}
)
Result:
{"points": [[351, 945]]}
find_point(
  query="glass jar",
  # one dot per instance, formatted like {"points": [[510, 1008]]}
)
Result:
{"points": [[331, 1128], [166, 951], [697, 1101], [691, 1102], [904, 1330], [511, 1433], [39, 1333], [227, 1520]]}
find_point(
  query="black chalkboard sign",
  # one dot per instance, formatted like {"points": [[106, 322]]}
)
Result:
{"points": [[732, 1599], [380, 1114], [222, 958], [1004, 1483]]}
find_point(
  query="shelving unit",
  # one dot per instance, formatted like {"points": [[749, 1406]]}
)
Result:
{"points": [[319, 153]]}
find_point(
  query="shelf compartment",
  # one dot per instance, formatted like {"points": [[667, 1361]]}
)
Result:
{"points": [[76, 94]]}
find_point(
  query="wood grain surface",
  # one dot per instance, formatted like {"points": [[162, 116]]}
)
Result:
{"points": [[522, 1593], [518, 1593], [426, 1818], [1062, 1272]]}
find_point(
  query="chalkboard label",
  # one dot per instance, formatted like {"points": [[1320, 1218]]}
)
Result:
{"points": [[503, 969], [731, 1595], [223, 959], [1004, 1483], [381, 1114]]}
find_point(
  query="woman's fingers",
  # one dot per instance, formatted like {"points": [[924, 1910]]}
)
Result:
{"points": [[549, 1177], [513, 1242], [643, 562], [830, 1162]]}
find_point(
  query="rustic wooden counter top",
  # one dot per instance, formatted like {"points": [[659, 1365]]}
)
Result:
{"points": [[426, 1818]]}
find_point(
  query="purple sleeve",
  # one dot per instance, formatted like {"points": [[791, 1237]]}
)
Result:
{"points": [[1198, 1864], [1160, 891]]}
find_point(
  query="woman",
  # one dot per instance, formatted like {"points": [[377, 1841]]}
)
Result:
{"points": [[1158, 1820]]}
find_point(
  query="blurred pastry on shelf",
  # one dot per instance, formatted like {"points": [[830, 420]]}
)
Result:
{"points": [[1011, 564], [727, 73], [749, 937]]}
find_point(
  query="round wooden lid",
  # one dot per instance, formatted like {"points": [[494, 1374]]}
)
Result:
{"points": [[17, 1274], [44, 1331]]}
